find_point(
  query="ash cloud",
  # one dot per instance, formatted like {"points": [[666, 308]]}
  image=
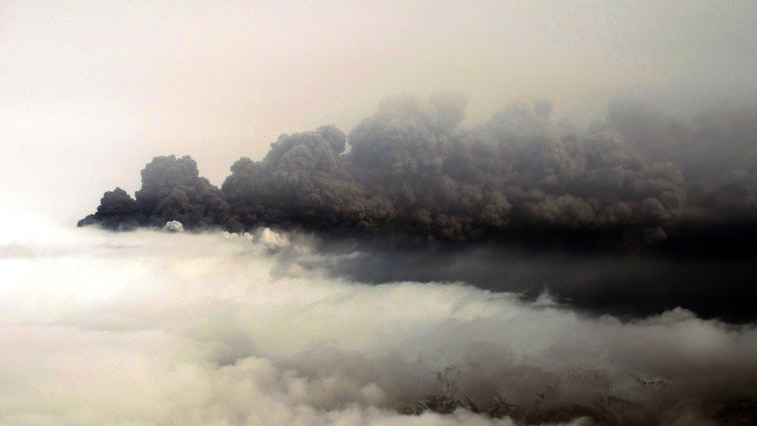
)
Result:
{"points": [[639, 180], [420, 197], [154, 328], [626, 287]]}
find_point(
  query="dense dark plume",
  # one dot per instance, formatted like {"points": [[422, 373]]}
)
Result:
{"points": [[412, 173], [171, 190], [117, 210], [639, 180]]}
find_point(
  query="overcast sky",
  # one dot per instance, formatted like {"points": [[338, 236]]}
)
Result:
{"points": [[90, 91]]}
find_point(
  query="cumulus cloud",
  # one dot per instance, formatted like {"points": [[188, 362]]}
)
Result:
{"points": [[155, 328]]}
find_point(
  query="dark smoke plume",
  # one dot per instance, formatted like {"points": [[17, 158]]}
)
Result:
{"points": [[171, 190], [640, 180]]}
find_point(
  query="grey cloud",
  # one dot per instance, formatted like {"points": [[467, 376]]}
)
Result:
{"points": [[632, 182]]}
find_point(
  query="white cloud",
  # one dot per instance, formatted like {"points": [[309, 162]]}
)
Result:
{"points": [[151, 328]]}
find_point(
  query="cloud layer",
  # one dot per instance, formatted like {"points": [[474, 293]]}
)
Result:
{"points": [[155, 328]]}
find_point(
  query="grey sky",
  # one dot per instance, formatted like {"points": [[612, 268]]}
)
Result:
{"points": [[90, 91]]}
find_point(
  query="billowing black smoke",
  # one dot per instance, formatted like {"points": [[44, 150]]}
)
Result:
{"points": [[639, 180], [171, 190]]}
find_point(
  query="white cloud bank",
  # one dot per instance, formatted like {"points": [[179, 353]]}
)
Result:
{"points": [[151, 328]]}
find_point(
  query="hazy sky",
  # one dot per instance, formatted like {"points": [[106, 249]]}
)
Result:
{"points": [[90, 91]]}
